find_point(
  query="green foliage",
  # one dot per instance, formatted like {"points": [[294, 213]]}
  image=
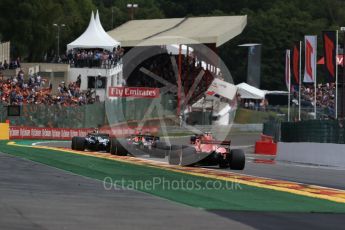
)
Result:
{"points": [[247, 116], [274, 24]]}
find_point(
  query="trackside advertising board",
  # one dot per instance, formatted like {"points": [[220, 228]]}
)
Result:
{"points": [[46, 133], [18, 132], [138, 92]]}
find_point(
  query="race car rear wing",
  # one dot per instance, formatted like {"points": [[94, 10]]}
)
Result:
{"points": [[145, 136], [214, 142]]}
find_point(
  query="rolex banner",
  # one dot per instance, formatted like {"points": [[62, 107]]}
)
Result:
{"points": [[310, 43], [329, 49]]}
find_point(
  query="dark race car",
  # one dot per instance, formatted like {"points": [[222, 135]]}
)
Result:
{"points": [[138, 144], [204, 150], [134, 145], [93, 141]]}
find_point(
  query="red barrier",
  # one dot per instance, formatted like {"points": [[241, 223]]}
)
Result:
{"points": [[262, 147], [266, 138], [266, 145], [18, 132]]}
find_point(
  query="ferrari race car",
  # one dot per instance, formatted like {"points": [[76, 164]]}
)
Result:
{"points": [[93, 141], [203, 150]]}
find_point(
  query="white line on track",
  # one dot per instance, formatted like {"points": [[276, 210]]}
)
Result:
{"points": [[42, 142]]}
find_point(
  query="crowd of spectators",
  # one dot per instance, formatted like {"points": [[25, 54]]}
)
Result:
{"points": [[259, 105], [325, 95], [165, 67], [325, 98], [14, 64], [93, 57], [36, 90]]}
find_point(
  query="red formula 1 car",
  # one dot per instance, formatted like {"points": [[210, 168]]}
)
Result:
{"points": [[204, 150]]}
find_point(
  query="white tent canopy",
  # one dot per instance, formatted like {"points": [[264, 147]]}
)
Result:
{"points": [[250, 92], [93, 37], [102, 31]]}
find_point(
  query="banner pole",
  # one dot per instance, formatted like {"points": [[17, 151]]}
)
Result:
{"points": [[179, 87], [336, 76], [315, 77], [289, 74], [342, 96], [300, 81]]}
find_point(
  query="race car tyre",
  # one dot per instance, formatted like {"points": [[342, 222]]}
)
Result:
{"points": [[160, 150], [79, 143], [182, 155], [162, 145], [157, 153], [73, 143], [192, 140], [176, 147], [223, 163], [175, 157], [113, 148], [237, 159], [116, 148], [189, 155], [107, 149]]}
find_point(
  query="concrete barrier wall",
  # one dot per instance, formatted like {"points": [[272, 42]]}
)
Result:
{"points": [[208, 128], [248, 127], [312, 153]]}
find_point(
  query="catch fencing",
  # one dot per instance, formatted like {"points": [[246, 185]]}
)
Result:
{"points": [[92, 115], [318, 131]]}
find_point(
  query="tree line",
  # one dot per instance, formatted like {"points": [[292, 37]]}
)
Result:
{"points": [[28, 24]]}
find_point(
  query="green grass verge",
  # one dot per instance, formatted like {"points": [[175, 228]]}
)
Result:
{"points": [[248, 116], [244, 198]]}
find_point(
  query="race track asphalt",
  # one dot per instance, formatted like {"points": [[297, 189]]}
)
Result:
{"points": [[36, 196], [263, 166]]}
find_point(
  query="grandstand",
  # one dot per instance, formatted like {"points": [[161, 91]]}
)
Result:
{"points": [[178, 52], [150, 59]]}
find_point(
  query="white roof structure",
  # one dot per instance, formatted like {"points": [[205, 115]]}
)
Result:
{"points": [[94, 37], [192, 30], [250, 92]]}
